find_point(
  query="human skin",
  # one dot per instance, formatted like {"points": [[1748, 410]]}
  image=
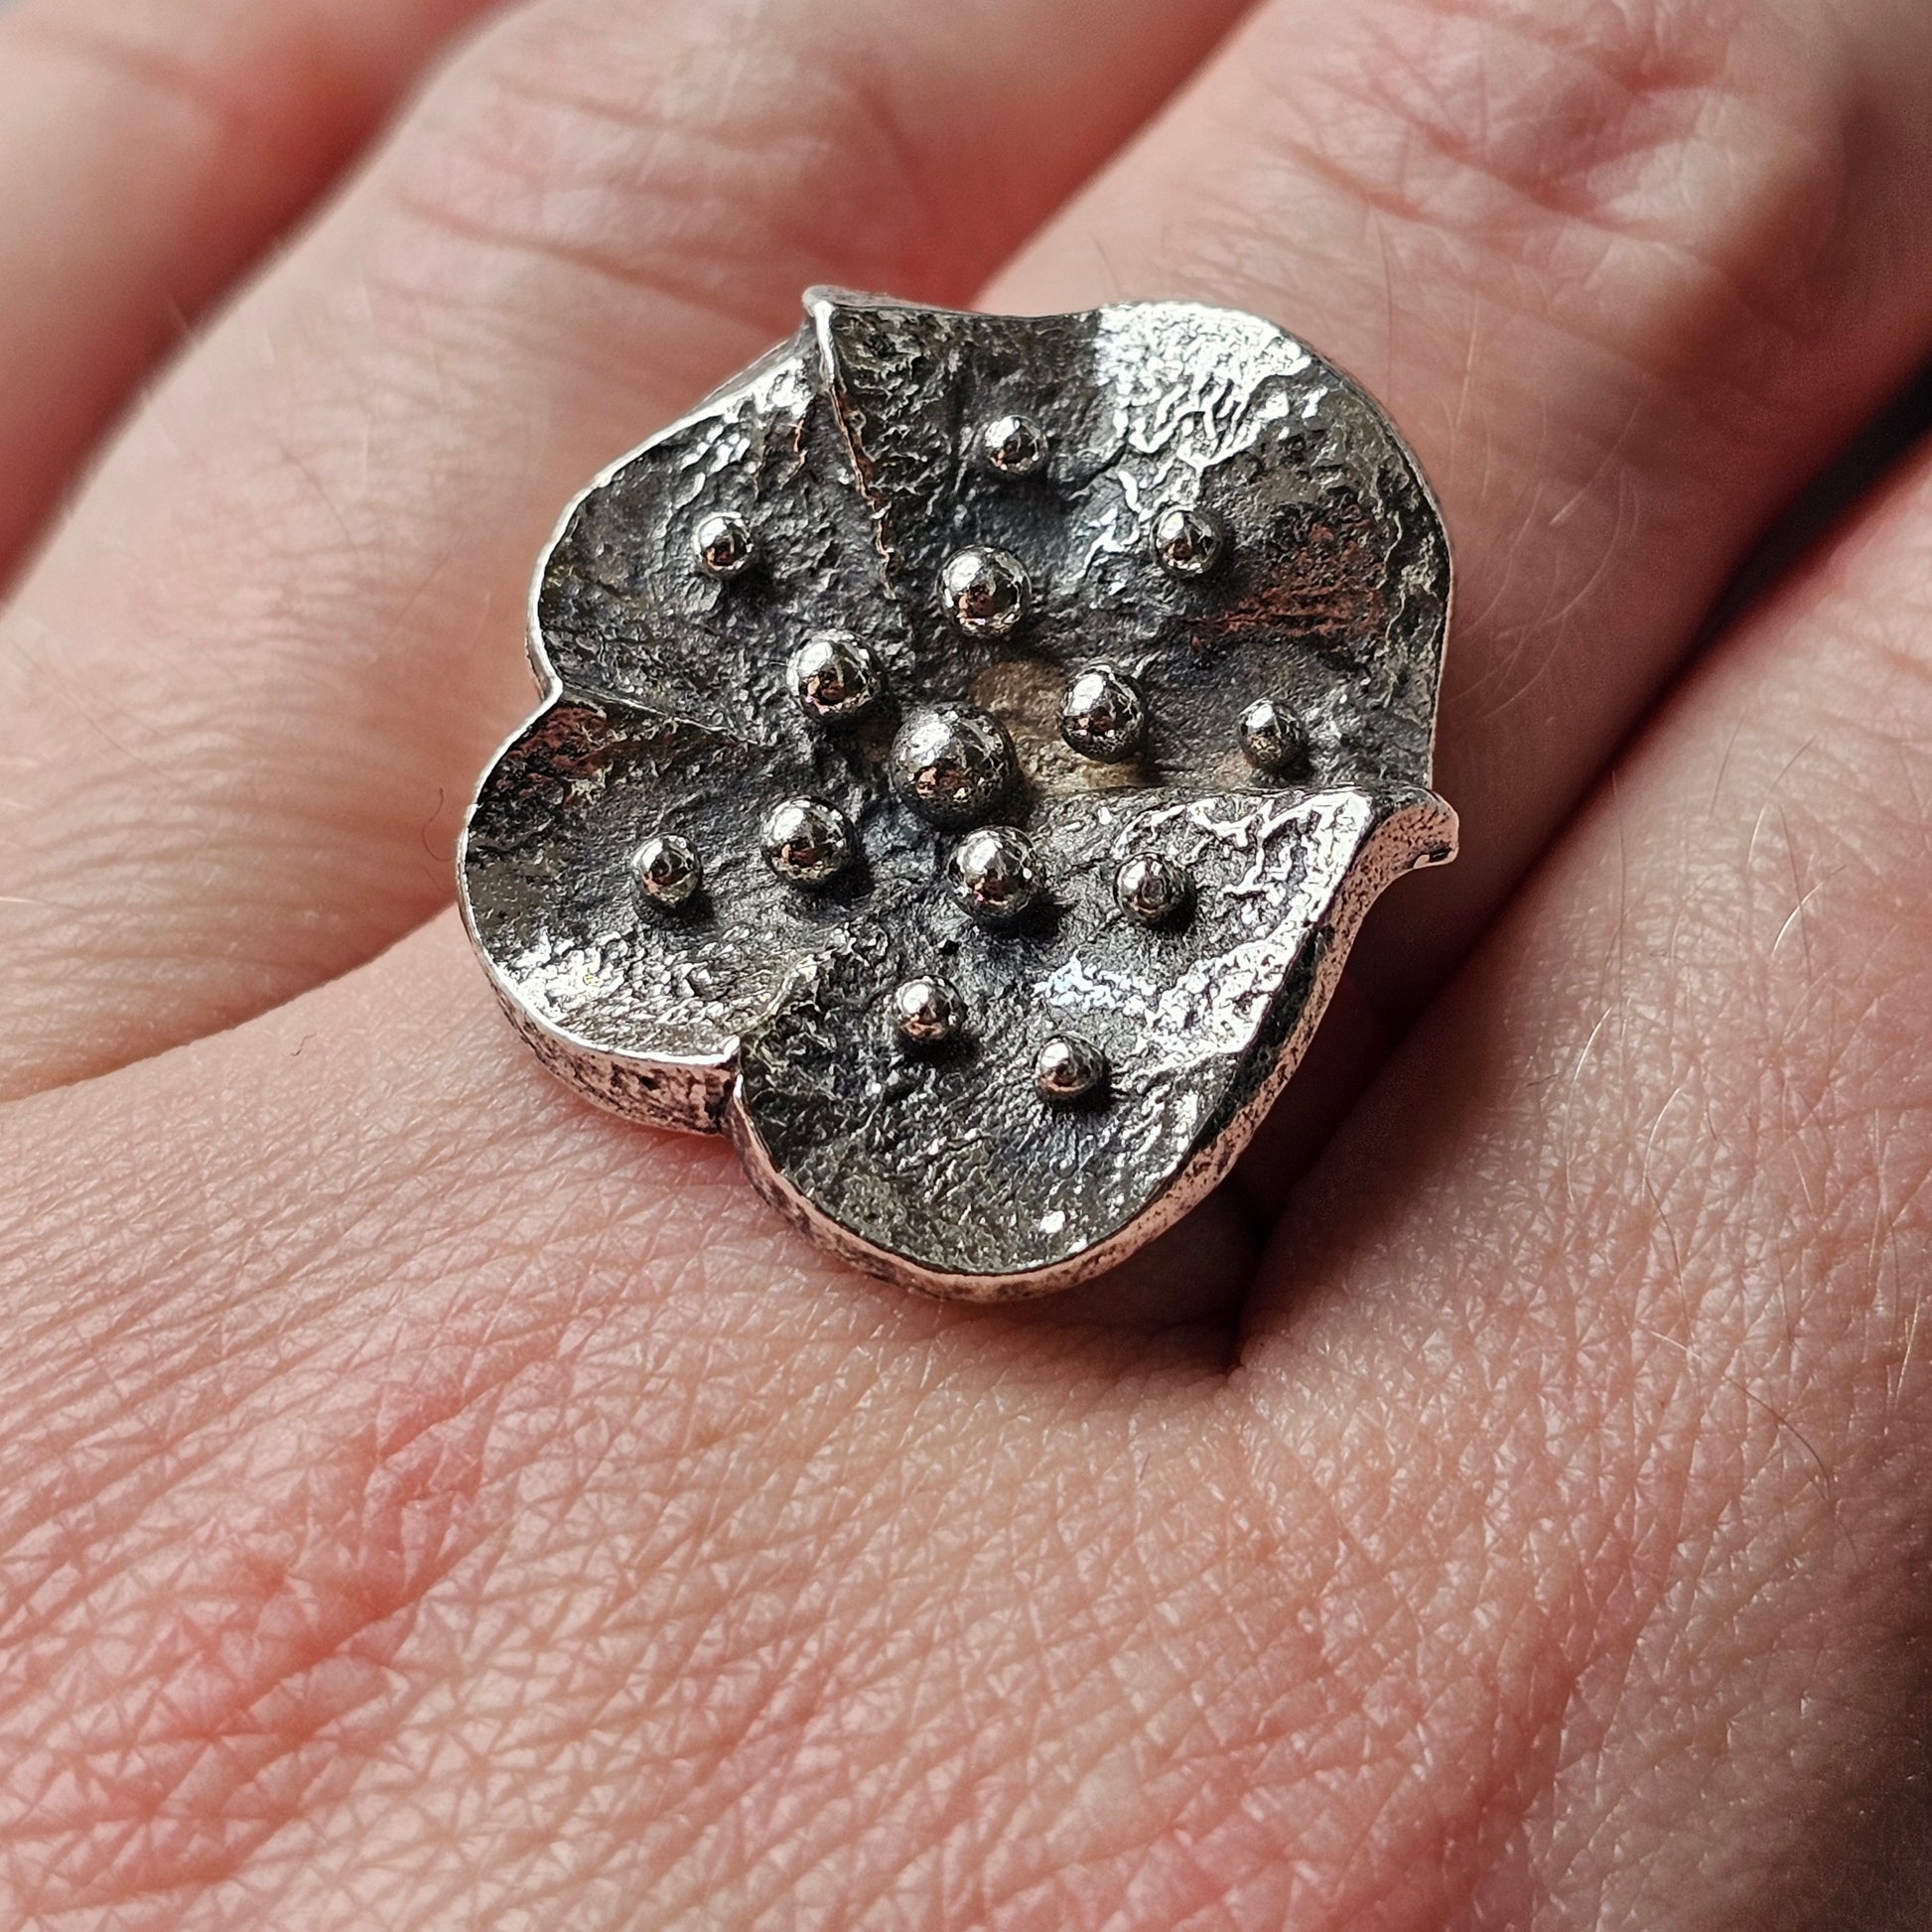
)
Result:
{"points": [[427, 1503]]}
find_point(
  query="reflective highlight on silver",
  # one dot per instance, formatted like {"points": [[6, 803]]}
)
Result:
{"points": [[1068, 1068], [766, 1009], [996, 874], [1151, 889], [927, 1012], [1013, 446], [834, 677], [1190, 542], [985, 591], [807, 841], [723, 544], [1271, 739], [667, 871], [953, 763], [1103, 715]]}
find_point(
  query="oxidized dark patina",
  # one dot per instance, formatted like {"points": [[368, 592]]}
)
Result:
{"points": [[907, 511]]}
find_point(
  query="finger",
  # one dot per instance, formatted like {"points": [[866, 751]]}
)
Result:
{"points": [[147, 151], [250, 687], [507, 1421], [1534, 1560], [1511, 1539], [1624, 274], [1623, 1272], [1601, 1285]]}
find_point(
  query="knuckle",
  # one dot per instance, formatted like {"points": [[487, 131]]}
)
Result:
{"points": [[674, 154], [1586, 148]]}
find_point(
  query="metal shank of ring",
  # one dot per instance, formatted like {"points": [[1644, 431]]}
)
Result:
{"points": [[857, 598]]}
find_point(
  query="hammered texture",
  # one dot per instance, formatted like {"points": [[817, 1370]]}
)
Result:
{"points": [[854, 457]]}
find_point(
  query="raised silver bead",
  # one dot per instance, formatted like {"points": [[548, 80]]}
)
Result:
{"points": [[1068, 1068], [926, 1011], [1013, 446], [1188, 542], [1270, 738], [1151, 889], [1103, 715], [953, 763], [996, 875], [834, 677], [666, 871], [984, 591], [723, 544], [807, 841]]}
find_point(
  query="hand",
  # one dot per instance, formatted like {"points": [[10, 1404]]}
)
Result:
{"points": [[428, 1503]]}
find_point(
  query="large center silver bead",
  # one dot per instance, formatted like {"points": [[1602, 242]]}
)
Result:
{"points": [[953, 763]]}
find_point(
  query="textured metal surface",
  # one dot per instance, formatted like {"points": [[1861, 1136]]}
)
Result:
{"points": [[1191, 498]]}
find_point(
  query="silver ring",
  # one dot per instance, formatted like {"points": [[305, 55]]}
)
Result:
{"points": [[968, 748]]}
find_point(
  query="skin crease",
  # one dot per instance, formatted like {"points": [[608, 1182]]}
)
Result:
{"points": [[431, 1505]]}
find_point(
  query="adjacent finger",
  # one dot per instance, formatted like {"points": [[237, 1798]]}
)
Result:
{"points": [[149, 151], [246, 695], [1620, 1277], [1624, 274]]}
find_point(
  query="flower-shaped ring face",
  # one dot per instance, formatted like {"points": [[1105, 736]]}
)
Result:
{"points": [[970, 746]]}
